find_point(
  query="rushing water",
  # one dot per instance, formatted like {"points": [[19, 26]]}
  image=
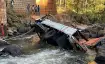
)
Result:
{"points": [[46, 56]]}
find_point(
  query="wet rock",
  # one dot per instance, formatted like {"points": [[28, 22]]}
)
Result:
{"points": [[3, 43], [100, 58], [12, 50], [23, 29], [95, 31], [101, 33], [101, 48], [10, 32], [15, 32]]}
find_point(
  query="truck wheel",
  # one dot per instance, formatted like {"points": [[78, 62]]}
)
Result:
{"points": [[49, 34]]}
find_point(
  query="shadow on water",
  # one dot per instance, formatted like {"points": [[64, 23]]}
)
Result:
{"points": [[46, 55]]}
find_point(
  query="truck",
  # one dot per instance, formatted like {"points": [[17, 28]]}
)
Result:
{"points": [[66, 37]]}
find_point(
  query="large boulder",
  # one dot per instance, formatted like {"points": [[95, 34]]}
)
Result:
{"points": [[12, 50], [100, 60], [94, 31], [23, 29]]}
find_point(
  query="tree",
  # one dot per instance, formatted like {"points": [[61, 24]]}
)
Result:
{"points": [[93, 9], [82, 6]]}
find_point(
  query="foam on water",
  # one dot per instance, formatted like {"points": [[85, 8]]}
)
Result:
{"points": [[46, 56]]}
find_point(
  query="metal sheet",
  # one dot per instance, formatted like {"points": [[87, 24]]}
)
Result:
{"points": [[66, 29]]}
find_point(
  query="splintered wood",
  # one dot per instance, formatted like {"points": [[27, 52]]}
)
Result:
{"points": [[3, 18]]}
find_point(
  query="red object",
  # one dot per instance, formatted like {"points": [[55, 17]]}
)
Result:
{"points": [[2, 29], [91, 42]]}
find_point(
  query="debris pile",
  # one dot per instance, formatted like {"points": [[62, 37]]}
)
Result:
{"points": [[94, 31]]}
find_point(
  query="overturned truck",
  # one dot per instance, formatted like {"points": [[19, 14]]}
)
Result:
{"points": [[64, 36]]}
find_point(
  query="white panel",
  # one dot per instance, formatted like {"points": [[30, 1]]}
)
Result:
{"points": [[66, 29]]}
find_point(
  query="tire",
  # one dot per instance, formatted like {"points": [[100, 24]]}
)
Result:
{"points": [[49, 34]]}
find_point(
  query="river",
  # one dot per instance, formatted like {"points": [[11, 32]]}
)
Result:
{"points": [[47, 55]]}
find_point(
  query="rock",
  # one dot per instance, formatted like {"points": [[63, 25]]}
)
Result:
{"points": [[95, 31], [93, 35], [12, 50], [15, 32], [3, 42], [100, 58], [101, 48], [10, 32], [23, 29], [87, 35]]}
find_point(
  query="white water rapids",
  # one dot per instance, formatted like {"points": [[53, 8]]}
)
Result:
{"points": [[46, 56]]}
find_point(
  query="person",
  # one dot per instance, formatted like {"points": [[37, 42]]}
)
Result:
{"points": [[35, 8], [32, 9], [11, 3], [38, 10], [28, 9], [2, 30]]}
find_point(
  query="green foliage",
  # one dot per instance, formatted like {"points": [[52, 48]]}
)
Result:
{"points": [[93, 9], [84, 6]]}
